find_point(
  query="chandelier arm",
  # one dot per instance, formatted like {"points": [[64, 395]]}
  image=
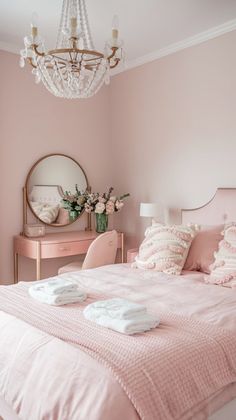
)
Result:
{"points": [[114, 49], [35, 49], [115, 64], [30, 61]]}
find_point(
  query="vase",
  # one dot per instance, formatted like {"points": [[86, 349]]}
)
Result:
{"points": [[73, 215], [101, 222]]}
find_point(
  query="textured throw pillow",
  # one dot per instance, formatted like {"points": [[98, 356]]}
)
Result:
{"points": [[202, 249], [165, 248], [223, 270], [45, 212]]}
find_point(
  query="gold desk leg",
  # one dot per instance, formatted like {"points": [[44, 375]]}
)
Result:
{"points": [[15, 267], [122, 248], [38, 261]]}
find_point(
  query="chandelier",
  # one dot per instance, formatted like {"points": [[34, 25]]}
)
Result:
{"points": [[74, 69]]}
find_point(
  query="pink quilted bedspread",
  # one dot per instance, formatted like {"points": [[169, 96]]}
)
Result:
{"points": [[166, 373]]}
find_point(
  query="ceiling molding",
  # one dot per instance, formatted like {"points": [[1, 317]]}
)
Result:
{"points": [[155, 55], [178, 46]]}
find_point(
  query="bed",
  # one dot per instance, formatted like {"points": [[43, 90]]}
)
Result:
{"points": [[56, 365]]}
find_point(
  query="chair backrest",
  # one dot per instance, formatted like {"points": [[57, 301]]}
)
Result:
{"points": [[102, 250]]}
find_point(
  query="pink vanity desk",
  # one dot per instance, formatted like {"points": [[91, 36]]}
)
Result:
{"points": [[55, 245]]}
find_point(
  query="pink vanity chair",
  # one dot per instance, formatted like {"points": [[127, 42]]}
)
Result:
{"points": [[102, 251]]}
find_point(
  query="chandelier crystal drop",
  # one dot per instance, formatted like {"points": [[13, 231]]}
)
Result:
{"points": [[74, 69]]}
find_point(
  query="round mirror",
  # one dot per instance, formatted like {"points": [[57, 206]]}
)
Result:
{"points": [[53, 188]]}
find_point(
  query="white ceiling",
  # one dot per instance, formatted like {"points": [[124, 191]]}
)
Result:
{"points": [[146, 26]]}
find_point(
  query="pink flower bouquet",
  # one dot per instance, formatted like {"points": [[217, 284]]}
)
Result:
{"points": [[104, 203]]}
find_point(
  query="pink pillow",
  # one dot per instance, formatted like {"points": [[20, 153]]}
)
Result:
{"points": [[63, 217], [201, 252]]}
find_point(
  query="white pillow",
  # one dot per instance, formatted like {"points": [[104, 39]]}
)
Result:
{"points": [[46, 212], [223, 270], [165, 248]]}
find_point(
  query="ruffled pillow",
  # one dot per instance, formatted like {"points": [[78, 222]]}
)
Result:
{"points": [[223, 270], [165, 248]]}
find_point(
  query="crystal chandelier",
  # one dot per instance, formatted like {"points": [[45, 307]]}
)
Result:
{"points": [[74, 69]]}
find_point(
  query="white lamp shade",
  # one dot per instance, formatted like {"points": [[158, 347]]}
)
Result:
{"points": [[149, 209]]}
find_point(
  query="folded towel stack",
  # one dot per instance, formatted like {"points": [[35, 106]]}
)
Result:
{"points": [[57, 291], [121, 315]]}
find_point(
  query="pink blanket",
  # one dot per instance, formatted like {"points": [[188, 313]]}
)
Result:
{"points": [[166, 372]]}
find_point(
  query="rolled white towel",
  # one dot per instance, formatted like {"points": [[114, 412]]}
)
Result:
{"points": [[139, 324], [37, 292], [57, 285], [115, 308]]}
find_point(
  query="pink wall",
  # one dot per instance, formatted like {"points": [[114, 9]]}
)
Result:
{"points": [[35, 123], [164, 131], [174, 129]]}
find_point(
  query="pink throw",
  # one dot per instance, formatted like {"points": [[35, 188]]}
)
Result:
{"points": [[165, 372]]}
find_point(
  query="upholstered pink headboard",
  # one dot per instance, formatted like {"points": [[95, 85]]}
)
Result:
{"points": [[220, 209]]}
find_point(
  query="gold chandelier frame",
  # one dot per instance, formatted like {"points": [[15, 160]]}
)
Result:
{"points": [[73, 60]]}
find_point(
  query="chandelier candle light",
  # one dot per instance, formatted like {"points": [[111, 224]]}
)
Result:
{"points": [[74, 69]]}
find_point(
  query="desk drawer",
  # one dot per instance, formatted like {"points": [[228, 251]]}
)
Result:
{"points": [[65, 249]]}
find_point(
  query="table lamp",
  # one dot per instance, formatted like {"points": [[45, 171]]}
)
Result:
{"points": [[150, 210]]}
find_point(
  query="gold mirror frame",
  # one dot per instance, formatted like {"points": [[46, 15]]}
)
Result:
{"points": [[26, 201]]}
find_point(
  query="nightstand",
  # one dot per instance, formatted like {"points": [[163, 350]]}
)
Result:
{"points": [[131, 254]]}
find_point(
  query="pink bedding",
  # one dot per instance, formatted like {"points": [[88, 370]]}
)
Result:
{"points": [[82, 385]]}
